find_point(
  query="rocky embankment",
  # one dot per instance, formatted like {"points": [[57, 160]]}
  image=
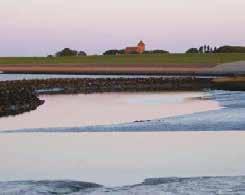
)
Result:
{"points": [[98, 85], [14, 100]]}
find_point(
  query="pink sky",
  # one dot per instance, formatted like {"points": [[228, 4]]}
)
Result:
{"points": [[41, 27]]}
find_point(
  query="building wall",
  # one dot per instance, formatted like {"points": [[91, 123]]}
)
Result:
{"points": [[139, 49]]}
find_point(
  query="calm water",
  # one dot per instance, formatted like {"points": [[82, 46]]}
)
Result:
{"points": [[116, 158], [120, 158], [6, 77], [108, 108]]}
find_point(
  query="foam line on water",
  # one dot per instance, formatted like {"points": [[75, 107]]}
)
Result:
{"points": [[154, 186]]}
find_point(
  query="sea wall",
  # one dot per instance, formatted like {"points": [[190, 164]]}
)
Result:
{"points": [[97, 85]]}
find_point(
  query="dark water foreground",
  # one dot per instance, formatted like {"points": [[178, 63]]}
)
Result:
{"points": [[112, 158], [153, 186], [118, 159]]}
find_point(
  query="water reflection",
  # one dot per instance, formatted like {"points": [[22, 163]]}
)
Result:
{"points": [[108, 108], [120, 158]]}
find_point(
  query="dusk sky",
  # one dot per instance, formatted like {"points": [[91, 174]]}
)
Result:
{"points": [[41, 27]]}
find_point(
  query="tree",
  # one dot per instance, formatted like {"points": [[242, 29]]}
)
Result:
{"points": [[208, 49], [147, 52], [201, 49], [111, 52], [215, 50], [231, 49], [82, 53], [192, 50], [205, 48], [156, 51], [159, 51], [121, 51], [67, 52]]}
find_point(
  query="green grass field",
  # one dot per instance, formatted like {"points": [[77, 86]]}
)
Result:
{"points": [[168, 59]]}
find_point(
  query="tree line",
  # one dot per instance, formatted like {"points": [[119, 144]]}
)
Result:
{"points": [[122, 51], [201, 50], [68, 52], [224, 49]]}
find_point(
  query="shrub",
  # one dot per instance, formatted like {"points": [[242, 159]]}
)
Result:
{"points": [[230, 49], [67, 52], [82, 53], [192, 50], [111, 52], [156, 51]]}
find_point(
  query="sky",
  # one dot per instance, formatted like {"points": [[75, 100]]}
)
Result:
{"points": [[42, 27]]}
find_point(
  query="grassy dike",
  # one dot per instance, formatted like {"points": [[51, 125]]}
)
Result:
{"points": [[150, 59]]}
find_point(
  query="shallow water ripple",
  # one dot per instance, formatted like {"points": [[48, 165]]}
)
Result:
{"points": [[154, 186]]}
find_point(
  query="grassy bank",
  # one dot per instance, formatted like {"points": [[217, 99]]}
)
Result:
{"points": [[160, 59]]}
